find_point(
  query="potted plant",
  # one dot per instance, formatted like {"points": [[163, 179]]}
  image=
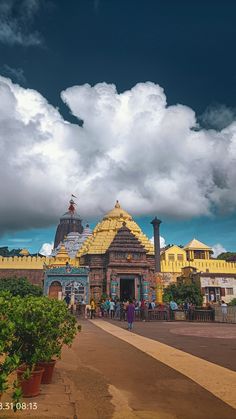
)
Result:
{"points": [[60, 329], [26, 315], [40, 327], [8, 363]]}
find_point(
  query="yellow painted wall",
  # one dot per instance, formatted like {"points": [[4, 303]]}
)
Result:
{"points": [[212, 265], [174, 250], [25, 262]]}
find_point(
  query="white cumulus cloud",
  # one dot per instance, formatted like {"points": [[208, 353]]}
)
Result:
{"points": [[218, 249], [46, 249], [132, 147], [162, 241]]}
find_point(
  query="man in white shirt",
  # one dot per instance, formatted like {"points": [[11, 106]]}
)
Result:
{"points": [[112, 308], [224, 310]]}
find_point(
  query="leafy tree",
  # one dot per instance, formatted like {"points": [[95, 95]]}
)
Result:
{"points": [[233, 302], [20, 287], [5, 252], [227, 256], [181, 293]]}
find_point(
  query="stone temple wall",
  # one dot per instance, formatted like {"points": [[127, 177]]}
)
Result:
{"points": [[35, 276]]}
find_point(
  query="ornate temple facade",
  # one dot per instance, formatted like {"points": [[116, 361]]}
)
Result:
{"points": [[119, 260]]}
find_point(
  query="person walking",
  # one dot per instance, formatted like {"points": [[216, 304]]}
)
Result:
{"points": [[93, 308], [224, 311], [112, 309], [67, 299], [130, 314], [173, 308], [142, 310], [83, 305], [107, 307], [117, 310], [102, 308]]}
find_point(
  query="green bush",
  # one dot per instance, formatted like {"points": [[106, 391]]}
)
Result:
{"points": [[233, 302], [20, 286], [8, 363], [32, 329], [181, 293], [42, 327]]}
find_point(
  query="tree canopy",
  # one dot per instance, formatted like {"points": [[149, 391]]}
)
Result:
{"points": [[229, 256], [181, 293], [20, 286]]}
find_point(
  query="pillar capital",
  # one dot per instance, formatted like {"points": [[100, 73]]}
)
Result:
{"points": [[155, 222]]}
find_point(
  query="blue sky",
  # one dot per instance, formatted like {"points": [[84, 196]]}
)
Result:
{"points": [[208, 230], [118, 99]]}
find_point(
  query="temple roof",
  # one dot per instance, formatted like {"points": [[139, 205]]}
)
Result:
{"points": [[106, 230], [117, 212], [72, 242], [126, 241], [196, 245], [24, 252]]}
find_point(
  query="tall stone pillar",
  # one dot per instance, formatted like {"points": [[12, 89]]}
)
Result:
{"points": [[156, 229], [158, 276]]}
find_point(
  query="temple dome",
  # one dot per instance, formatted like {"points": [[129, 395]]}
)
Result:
{"points": [[118, 212], [106, 230], [70, 222]]}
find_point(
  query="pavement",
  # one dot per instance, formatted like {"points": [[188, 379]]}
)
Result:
{"points": [[214, 342], [110, 373]]}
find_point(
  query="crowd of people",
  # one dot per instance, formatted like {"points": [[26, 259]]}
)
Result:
{"points": [[129, 309]]}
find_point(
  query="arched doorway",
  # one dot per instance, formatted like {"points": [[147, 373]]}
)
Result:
{"points": [[54, 289]]}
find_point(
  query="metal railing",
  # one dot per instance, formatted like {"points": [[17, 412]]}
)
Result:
{"points": [[225, 314], [170, 315], [218, 314]]}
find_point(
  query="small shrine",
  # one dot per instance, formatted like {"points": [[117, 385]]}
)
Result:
{"points": [[59, 281]]}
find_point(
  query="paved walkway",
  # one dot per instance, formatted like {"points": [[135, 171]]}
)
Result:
{"points": [[105, 376], [55, 401], [214, 342], [220, 381]]}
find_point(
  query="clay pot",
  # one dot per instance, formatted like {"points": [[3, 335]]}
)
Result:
{"points": [[48, 370], [31, 386]]}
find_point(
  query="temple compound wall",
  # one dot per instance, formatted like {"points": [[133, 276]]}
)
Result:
{"points": [[118, 259]]}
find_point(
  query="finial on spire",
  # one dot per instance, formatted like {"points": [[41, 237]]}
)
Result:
{"points": [[117, 204], [72, 204]]}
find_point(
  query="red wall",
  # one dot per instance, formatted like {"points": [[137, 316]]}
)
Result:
{"points": [[35, 276]]}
